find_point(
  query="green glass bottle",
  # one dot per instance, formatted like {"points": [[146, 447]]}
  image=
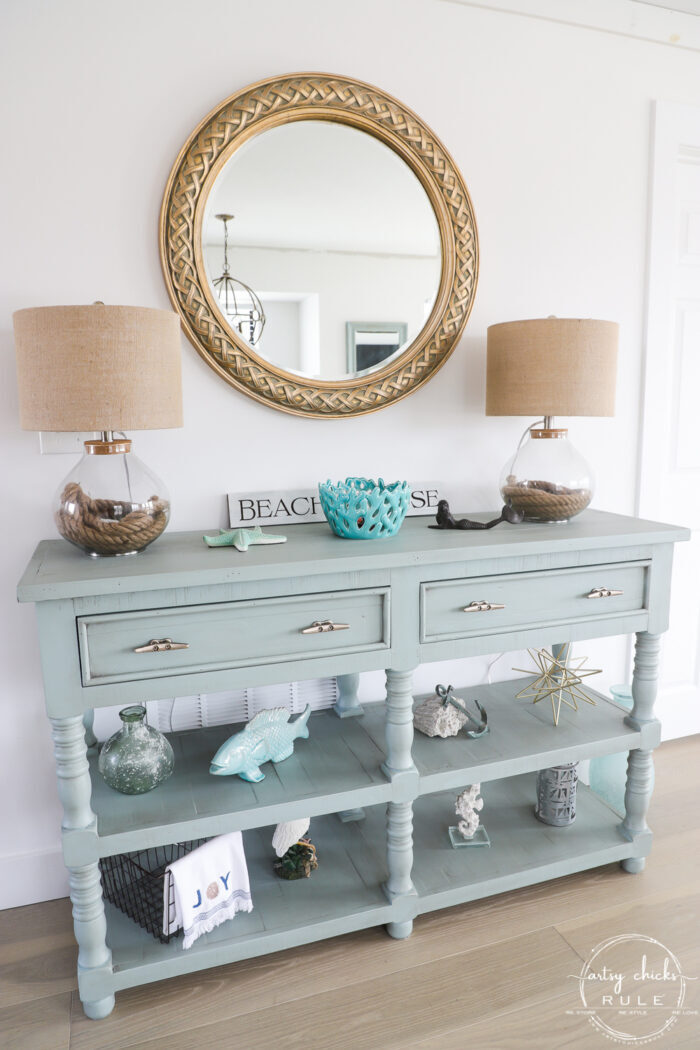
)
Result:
{"points": [[137, 758]]}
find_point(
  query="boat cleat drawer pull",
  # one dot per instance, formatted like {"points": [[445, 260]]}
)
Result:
{"points": [[482, 606], [161, 645], [324, 626]]}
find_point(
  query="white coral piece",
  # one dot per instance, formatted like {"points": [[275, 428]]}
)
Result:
{"points": [[287, 833], [468, 805], [435, 718]]}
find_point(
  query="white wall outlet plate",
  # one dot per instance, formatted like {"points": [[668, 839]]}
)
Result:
{"points": [[52, 443]]}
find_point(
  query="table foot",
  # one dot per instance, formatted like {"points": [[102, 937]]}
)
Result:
{"points": [[99, 1008], [400, 930], [633, 864]]}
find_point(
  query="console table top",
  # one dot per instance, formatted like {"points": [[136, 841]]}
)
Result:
{"points": [[181, 559]]}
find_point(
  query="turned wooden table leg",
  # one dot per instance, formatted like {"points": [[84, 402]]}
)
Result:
{"points": [[88, 723], [400, 768], [399, 836], [90, 931], [561, 652], [399, 722], [72, 771], [347, 704], [640, 765], [74, 790]]}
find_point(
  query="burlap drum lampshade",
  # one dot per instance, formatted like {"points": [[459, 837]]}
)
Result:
{"points": [[84, 368], [109, 369], [549, 367]]}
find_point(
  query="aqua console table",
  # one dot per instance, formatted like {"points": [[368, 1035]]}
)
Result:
{"points": [[418, 597]]}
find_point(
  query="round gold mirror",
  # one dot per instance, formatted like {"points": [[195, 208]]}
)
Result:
{"points": [[320, 245]]}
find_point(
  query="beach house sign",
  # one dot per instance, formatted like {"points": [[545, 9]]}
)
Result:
{"points": [[297, 506]]}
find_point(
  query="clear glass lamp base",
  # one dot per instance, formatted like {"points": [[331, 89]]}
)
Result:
{"points": [[547, 480], [111, 504]]}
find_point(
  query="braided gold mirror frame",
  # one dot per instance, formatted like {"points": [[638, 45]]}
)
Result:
{"points": [[315, 96]]}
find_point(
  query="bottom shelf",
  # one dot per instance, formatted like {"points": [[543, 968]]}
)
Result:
{"points": [[345, 893], [523, 851]]}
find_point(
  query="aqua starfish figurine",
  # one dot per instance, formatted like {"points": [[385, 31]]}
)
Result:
{"points": [[242, 539]]}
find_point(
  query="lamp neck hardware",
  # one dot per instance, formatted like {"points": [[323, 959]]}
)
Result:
{"points": [[108, 445], [539, 433]]}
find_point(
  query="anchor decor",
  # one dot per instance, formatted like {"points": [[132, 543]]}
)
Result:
{"points": [[559, 679], [444, 714]]}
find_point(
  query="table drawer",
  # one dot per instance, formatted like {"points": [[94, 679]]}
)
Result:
{"points": [[530, 600], [230, 634]]}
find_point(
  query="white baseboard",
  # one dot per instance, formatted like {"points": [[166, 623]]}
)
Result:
{"points": [[27, 878]]}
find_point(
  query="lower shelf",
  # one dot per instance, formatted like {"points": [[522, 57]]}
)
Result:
{"points": [[345, 893], [523, 851]]}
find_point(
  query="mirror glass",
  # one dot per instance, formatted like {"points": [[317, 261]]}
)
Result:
{"points": [[332, 248]]}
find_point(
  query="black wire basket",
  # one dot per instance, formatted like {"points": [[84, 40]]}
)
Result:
{"points": [[133, 882]]}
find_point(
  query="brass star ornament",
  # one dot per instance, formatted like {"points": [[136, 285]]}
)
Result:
{"points": [[559, 679]]}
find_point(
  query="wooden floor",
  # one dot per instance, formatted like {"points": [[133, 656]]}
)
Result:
{"points": [[493, 975]]}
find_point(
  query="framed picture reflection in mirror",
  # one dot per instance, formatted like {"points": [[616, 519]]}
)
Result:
{"points": [[371, 342]]}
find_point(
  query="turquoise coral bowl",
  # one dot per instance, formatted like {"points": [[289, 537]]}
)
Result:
{"points": [[363, 509]]}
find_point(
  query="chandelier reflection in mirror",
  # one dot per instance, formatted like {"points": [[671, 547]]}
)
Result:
{"points": [[240, 304]]}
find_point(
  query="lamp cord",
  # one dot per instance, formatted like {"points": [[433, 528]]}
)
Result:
{"points": [[527, 430], [126, 467]]}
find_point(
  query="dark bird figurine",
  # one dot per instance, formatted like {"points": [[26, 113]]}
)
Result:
{"points": [[446, 520]]}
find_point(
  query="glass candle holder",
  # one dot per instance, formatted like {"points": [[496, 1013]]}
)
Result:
{"points": [[556, 795]]}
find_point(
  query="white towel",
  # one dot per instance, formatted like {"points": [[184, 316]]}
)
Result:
{"points": [[210, 886]]}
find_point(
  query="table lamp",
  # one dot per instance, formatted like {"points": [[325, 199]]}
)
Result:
{"points": [[108, 369], [550, 367]]}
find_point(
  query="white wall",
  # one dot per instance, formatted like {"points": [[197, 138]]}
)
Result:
{"points": [[550, 126]]}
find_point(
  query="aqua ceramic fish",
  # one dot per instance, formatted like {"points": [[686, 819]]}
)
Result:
{"points": [[268, 737]]}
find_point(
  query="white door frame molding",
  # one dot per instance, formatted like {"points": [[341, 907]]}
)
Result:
{"points": [[669, 458]]}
